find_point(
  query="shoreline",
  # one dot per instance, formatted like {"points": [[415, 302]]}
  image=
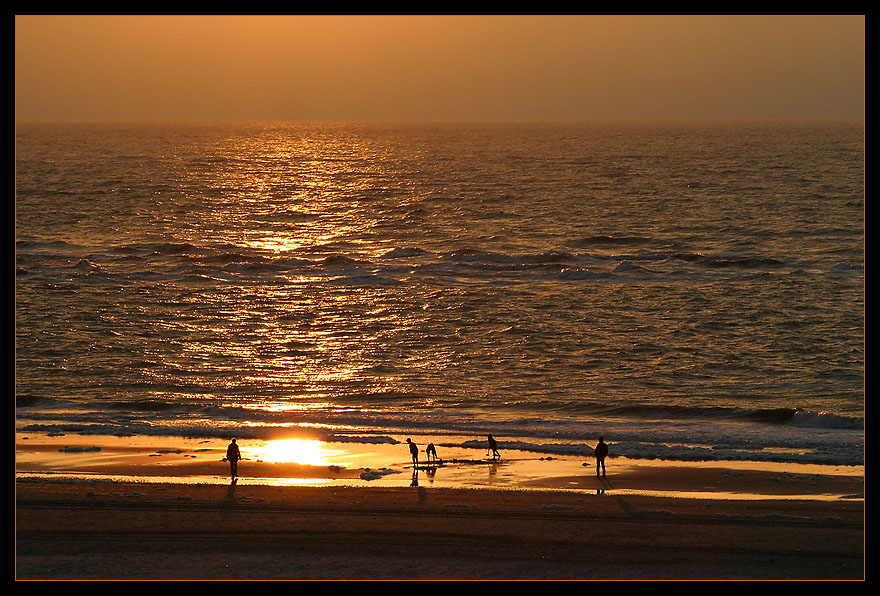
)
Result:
{"points": [[308, 462], [90, 507]]}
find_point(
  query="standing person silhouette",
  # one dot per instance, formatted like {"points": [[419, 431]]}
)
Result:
{"points": [[233, 455], [414, 451], [601, 453], [493, 446]]}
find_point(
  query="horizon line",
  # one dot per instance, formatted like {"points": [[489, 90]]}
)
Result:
{"points": [[430, 120]]}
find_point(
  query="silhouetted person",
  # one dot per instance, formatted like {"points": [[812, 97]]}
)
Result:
{"points": [[414, 451], [493, 447], [601, 452], [431, 452], [233, 455]]}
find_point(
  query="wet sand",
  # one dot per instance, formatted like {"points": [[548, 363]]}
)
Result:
{"points": [[123, 510]]}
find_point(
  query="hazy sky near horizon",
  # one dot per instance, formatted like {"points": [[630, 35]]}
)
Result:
{"points": [[438, 67]]}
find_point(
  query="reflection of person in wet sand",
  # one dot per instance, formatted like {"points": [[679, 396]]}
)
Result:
{"points": [[493, 446], [414, 451], [601, 453], [431, 452], [233, 455]]}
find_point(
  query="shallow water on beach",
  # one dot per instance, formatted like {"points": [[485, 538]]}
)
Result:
{"points": [[692, 291], [113, 464]]}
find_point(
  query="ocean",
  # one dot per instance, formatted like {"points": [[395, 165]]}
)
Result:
{"points": [[688, 290]]}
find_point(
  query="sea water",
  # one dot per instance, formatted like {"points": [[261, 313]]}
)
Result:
{"points": [[689, 290]]}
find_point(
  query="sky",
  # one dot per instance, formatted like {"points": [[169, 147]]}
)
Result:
{"points": [[112, 68]]}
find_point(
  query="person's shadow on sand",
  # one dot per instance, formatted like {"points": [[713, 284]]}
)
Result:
{"points": [[230, 493], [606, 484], [229, 500]]}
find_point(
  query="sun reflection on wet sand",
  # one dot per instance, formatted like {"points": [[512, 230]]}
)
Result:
{"points": [[296, 451]]}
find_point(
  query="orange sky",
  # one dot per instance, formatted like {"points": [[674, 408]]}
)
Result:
{"points": [[438, 67]]}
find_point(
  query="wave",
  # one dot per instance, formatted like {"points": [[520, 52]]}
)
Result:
{"points": [[532, 417], [88, 266], [41, 244], [848, 267], [159, 256], [26, 401], [577, 273], [291, 217], [744, 262], [627, 266], [404, 253], [227, 268], [611, 240], [806, 419], [470, 255], [173, 248], [143, 405], [776, 416], [703, 441], [343, 262]]}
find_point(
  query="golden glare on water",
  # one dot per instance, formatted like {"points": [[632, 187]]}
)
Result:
{"points": [[287, 407], [300, 192], [296, 451], [281, 201]]}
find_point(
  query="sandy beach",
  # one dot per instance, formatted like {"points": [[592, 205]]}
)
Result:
{"points": [[165, 509]]}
